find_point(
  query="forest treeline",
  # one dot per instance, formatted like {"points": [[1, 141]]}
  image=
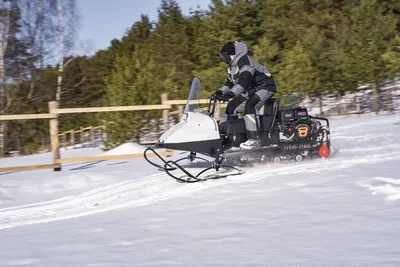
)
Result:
{"points": [[312, 47]]}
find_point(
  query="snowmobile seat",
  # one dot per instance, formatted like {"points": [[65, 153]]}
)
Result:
{"points": [[236, 126], [267, 120]]}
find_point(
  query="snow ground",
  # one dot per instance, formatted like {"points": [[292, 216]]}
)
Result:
{"points": [[341, 211]]}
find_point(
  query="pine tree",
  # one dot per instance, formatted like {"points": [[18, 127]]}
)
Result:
{"points": [[169, 47], [391, 58], [131, 83], [268, 54], [295, 75], [369, 32]]}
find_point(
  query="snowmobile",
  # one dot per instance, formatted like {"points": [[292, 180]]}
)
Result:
{"points": [[284, 134]]}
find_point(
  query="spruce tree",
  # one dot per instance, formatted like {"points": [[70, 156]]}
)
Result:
{"points": [[125, 86], [295, 75], [369, 32], [391, 58], [169, 47]]}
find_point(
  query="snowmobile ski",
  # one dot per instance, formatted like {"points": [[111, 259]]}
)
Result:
{"points": [[170, 166]]}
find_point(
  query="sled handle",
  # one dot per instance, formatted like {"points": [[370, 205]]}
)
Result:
{"points": [[322, 119]]}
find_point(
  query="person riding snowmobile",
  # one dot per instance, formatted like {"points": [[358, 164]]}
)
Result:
{"points": [[249, 85]]}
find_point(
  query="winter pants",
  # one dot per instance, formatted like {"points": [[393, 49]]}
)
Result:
{"points": [[250, 106]]}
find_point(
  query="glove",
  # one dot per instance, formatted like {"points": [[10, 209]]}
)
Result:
{"points": [[226, 97], [216, 95]]}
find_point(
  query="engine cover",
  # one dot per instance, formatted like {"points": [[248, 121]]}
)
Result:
{"points": [[286, 115], [301, 113]]}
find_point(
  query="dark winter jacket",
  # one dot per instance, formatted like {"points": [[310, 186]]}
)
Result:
{"points": [[246, 75]]}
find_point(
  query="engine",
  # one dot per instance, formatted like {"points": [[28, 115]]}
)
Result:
{"points": [[292, 130], [296, 125]]}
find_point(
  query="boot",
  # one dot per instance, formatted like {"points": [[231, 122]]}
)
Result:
{"points": [[252, 141]]}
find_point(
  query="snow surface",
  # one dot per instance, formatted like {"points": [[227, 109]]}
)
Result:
{"points": [[128, 148], [341, 211]]}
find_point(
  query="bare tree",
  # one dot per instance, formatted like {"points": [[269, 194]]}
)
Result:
{"points": [[66, 16], [61, 64], [32, 32], [5, 100], [48, 28], [38, 34], [4, 36]]}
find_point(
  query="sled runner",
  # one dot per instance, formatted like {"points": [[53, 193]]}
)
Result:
{"points": [[284, 134]]}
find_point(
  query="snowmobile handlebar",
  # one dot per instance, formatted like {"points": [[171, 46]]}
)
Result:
{"points": [[211, 105]]}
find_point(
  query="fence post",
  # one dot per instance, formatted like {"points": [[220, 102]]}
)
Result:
{"points": [[92, 137], [358, 104], [54, 142], [82, 136], [164, 99], [72, 138], [180, 109], [104, 133], [65, 140]]}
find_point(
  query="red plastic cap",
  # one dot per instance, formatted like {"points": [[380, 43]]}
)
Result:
{"points": [[324, 151]]}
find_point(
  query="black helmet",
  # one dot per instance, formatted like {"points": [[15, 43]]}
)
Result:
{"points": [[226, 51]]}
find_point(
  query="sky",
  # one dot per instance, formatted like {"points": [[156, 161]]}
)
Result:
{"points": [[103, 20]]}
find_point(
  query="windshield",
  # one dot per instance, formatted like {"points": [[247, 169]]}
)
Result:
{"points": [[192, 104]]}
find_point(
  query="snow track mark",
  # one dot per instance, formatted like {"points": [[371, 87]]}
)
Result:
{"points": [[127, 194]]}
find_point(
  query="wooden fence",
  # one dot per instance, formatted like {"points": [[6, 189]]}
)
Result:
{"points": [[69, 137], [54, 113]]}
